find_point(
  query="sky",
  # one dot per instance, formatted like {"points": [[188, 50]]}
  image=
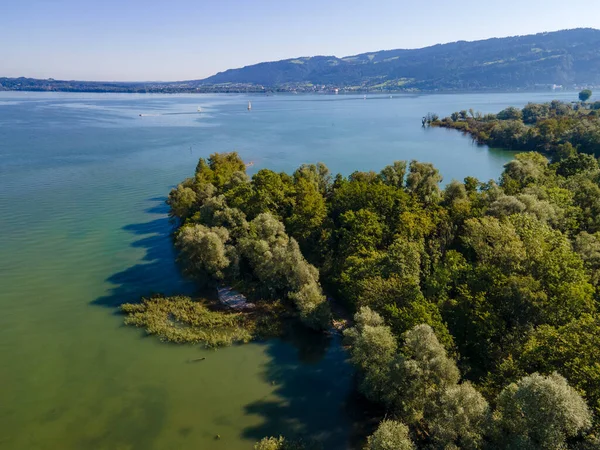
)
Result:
{"points": [[169, 40]]}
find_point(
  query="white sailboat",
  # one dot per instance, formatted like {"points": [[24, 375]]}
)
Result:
{"points": [[249, 106], [199, 109]]}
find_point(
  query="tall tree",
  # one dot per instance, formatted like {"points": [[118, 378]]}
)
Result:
{"points": [[390, 435], [585, 95], [539, 412]]}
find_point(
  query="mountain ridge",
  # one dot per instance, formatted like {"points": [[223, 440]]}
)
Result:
{"points": [[567, 57], [520, 61]]}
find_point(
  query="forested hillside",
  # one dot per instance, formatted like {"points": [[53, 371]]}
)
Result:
{"points": [[563, 57], [476, 306], [568, 58]]}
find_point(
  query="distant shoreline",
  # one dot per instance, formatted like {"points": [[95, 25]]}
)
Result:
{"points": [[287, 92]]}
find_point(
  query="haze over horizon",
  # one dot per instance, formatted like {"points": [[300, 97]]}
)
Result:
{"points": [[184, 40]]}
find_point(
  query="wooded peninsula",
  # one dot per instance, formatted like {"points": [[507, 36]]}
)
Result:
{"points": [[556, 129], [475, 306]]}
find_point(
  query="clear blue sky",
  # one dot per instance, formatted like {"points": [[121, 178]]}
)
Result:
{"points": [[190, 39]]}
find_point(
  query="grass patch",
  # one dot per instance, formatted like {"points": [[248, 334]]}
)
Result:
{"points": [[183, 320]]}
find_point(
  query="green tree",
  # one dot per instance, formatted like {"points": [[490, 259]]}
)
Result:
{"points": [[423, 181], [585, 95], [359, 232], [563, 151], [458, 418], [574, 349], [534, 112], [385, 201], [524, 170], [588, 247], [216, 213], [308, 210], [315, 173], [539, 412], [402, 303], [281, 443], [494, 242], [390, 435], [550, 257], [270, 443], [394, 175], [455, 191], [277, 262], [373, 348], [182, 201], [420, 374], [218, 168], [203, 250], [269, 194], [586, 197], [510, 113], [506, 205], [576, 164]]}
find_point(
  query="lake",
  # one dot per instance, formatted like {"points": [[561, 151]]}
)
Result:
{"points": [[83, 228]]}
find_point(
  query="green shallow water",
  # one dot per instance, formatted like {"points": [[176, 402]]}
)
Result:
{"points": [[83, 228]]}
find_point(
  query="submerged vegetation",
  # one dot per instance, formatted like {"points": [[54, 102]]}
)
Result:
{"points": [[476, 307], [182, 320], [179, 319]]}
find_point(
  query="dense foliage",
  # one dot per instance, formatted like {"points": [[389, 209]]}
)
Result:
{"points": [[233, 231], [476, 306], [558, 129], [420, 386]]}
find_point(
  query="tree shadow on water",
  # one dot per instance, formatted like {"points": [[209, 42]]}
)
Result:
{"points": [[157, 272], [312, 380]]}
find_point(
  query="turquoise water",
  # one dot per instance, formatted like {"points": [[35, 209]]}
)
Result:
{"points": [[83, 228]]}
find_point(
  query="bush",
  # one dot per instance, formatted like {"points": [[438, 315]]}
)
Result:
{"points": [[390, 435]]}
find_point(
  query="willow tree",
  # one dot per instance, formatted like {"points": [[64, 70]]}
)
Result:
{"points": [[539, 412], [390, 435]]}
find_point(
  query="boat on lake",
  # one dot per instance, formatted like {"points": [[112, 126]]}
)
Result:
{"points": [[249, 106]]}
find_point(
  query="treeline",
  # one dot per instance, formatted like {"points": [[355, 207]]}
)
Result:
{"points": [[51, 85], [554, 128], [476, 306]]}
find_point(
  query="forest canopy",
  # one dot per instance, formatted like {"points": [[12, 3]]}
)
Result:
{"points": [[567, 132], [476, 305]]}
